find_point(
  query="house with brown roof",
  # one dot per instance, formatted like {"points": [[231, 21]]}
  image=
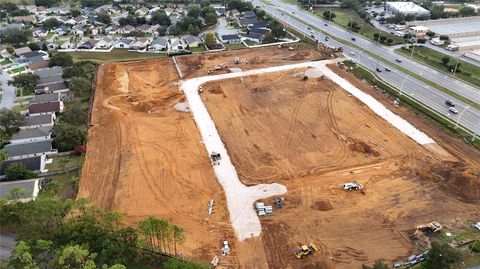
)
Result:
{"points": [[25, 19], [45, 108]]}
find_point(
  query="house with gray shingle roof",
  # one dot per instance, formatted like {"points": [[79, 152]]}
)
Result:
{"points": [[38, 121], [31, 135], [30, 187], [45, 98], [35, 164], [159, 44], [20, 151]]}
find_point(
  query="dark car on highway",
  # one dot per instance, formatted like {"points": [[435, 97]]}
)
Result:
{"points": [[398, 60], [379, 70], [353, 38], [449, 102]]}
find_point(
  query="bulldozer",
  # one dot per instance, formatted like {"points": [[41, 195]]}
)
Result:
{"points": [[427, 228], [305, 250]]}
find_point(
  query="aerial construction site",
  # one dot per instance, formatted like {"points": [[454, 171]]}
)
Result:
{"points": [[281, 152]]}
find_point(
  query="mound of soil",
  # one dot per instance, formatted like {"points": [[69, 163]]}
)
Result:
{"points": [[322, 205]]}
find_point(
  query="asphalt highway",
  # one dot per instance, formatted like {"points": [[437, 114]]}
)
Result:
{"points": [[469, 116]]}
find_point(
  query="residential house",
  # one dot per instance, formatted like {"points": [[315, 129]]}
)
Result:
{"points": [[31, 135], [159, 44], [89, 44], [143, 11], [230, 39], [261, 31], [220, 11], [3, 51], [245, 22], [258, 24], [67, 45], [78, 29], [44, 81], [40, 32], [49, 72], [56, 87], [25, 19], [193, 41], [36, 59], [249, 14], [31, 186], [177, 44], [45, 108], [35, 164], [145, 28], [233, 14], [124, 43], [168, 11], [77, 20], [15, 26], [140, 43], [255, 37], [112, 29], [21, 151], [38, 121], [127, 29], [22, 50], [154, 10], [63, 10], [45, 98], [61, 30], [106, 42], [63, 19]]}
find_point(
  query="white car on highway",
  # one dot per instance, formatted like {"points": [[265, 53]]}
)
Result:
{"points": [[453, 110], [352, 53]]}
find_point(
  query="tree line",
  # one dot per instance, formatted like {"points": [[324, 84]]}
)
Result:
{"points": [[75, 234]]}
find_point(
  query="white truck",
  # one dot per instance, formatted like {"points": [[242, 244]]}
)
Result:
{"points": [[352, 186]]}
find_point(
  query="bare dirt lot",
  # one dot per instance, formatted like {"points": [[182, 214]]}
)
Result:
{"points": [[146, 158], [197, 65], [312, 137]]}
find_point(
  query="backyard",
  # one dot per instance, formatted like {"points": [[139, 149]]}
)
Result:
{"points": [[465, 71], [116, 55], [16, 70], [344, 16]]}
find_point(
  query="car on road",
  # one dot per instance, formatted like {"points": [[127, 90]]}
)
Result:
{"points": [[353, 38], [326, 39], [388, 69], [309, 28], [398, 60], [312, 36], [453, 110], [293, 12], [379, 70], [326, 24], [352, 52], [449, 102]]}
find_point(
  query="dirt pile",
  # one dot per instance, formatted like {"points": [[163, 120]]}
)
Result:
{"points": [[322, 205]]}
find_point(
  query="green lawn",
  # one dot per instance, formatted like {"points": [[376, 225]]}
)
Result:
{"points": [[74, 161], [235, 46], [467, 72], [17, 70], [63, 184], [343, 17], [116, 55], [293, 2], [250, 42], [200, 48], [5, 61]]}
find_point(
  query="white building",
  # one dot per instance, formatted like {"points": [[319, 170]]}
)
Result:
{"points": [[406, 8]]}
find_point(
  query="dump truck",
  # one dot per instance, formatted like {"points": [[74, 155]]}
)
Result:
{"points": [[305, 250]]}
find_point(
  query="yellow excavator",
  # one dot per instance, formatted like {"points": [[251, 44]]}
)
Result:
{"points": [[305, 250]]}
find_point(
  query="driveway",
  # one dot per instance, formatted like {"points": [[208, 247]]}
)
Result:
{"points": [[222, 28], [8, 97]]}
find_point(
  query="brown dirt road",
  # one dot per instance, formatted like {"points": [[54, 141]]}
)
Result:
{"points": [[146, 158], [312, 136]]}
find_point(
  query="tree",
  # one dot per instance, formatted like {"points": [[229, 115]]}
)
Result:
{"points": [[129, 20], [269, 38], [51, 23], [25, 81], [466, 11], [75, 114], [9, 119], [444, 37], [379, 264], [210, 40], [193, 29], [430, 34], [75, 12], [329, 15], [19, 171], [445, 60], [238, 5], [210, 19], [60, 59], [45, 3], [442, 256], [376, 36], [79, 85], [9, 7], [277, 29], [389, 40], [104, 18], [3, 155], [22, 257], [421, 41], [194, 11], [14, 36], [67, 137], [73, 257], [33, 46], [20, 12], [160, 18]]}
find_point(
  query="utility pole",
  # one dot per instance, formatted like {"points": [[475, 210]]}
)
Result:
{"points": [[455, 70], [358, 58], [475, 133], [413, 48], [460, 116]]}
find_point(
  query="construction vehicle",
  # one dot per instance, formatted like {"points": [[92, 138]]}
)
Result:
{"points": [[278, 202], [427, 228], [305, 250], [352, 186], [216, 68]]}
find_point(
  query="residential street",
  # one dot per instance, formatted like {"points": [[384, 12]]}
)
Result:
{"points": [[8, 97]]}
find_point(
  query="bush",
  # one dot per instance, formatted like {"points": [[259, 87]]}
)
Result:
{"points": [[68, 137], [19, 171], [476, 246]]}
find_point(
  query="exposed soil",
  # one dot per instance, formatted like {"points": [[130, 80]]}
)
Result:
{"points": [[313, 137], [197, 65], [145, 158]]}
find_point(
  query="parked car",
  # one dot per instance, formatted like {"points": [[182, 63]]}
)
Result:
{"points": [[453, 110], [449, 102]]}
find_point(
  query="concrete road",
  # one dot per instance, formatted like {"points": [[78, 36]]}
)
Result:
{"points": [[455, 54], [8, 97], [430, 96]]}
